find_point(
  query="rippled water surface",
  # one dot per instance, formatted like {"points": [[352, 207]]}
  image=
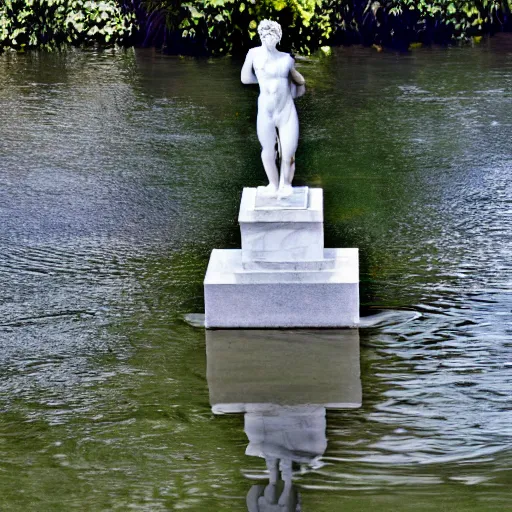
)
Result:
{"points": [[120, 171]]}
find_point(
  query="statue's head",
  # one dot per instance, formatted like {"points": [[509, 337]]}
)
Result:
{"points": [[270, 33]]}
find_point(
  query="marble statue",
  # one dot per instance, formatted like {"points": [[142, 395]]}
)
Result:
{"points": [[277, 121], [283, 277]]}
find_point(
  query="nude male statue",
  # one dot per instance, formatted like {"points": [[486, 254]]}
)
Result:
{"points": [[279, 83]]}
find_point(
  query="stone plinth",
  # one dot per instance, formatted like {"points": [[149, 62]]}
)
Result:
{"points": [[282, 230], [282, 277], [240, 298]]}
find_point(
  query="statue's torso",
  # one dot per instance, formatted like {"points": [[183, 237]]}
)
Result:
{"points": [[273, 73]]}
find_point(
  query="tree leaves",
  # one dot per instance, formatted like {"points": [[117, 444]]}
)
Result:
{"points": [[54, 23], [217, 27], [229, 26]]}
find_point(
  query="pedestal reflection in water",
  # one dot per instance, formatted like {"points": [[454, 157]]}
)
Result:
{"points": [[283, 382]]}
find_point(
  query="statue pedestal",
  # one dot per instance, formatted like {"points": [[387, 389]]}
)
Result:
{"points": [[280, 230], [282, 277]]}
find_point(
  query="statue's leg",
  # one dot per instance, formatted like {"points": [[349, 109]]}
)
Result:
{"points": [[289, 137], [270, 492], [286, 475], [273, 469], [267, 137]]}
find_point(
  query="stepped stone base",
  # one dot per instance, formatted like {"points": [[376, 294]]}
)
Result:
{"points": [[282, 277], [240, 298]]}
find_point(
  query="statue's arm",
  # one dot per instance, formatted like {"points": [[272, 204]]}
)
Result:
{"points": [[247, 75], [298, 83], [297, 78]]}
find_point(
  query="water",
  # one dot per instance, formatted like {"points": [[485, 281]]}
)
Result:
{"points": [[120, 171]]}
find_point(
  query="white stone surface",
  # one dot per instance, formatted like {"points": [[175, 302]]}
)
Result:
{"points": [[281, 234], [313, 213], [284, 242], [327, 263], [297, 200], [226, 267], [279, 83], [236, 298]]}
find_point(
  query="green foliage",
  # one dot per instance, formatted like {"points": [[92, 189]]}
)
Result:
{"points": [[225, 26], [51, 24], [217, 27], [229, 26], [466, 18]]}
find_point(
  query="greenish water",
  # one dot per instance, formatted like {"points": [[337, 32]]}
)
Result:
{"points": [[119, 172]]}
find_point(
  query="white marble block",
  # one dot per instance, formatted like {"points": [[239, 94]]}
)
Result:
{"points": [[237, 298], [282, 230]]}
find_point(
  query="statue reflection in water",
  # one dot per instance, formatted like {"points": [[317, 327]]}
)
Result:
{"points": [[283, 382], [282, 436]]}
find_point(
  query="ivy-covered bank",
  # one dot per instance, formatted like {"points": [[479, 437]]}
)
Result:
{"points": [[51, 24], [217, 27], [229, 26]]}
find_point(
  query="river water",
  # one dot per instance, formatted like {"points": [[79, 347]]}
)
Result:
{"points": [[120, 171]]}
